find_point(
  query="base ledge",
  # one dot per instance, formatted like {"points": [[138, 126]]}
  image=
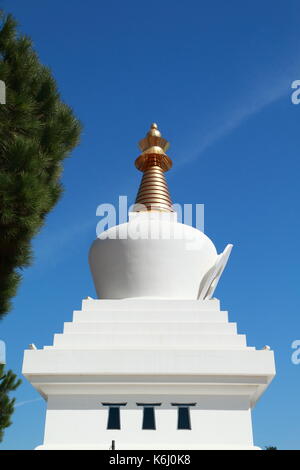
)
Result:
{"points": [[143, 447]]}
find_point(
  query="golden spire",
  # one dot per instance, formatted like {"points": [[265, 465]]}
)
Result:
{"points": [[153, 193]]}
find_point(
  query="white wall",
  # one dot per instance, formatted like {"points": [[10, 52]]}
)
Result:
{"points": [[82, 421]]}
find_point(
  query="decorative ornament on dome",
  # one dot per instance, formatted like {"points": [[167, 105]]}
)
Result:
{"points": [[153, 193]]}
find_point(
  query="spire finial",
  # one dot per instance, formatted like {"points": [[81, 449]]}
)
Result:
{"points": [[154, 130], [153, 162], [153, 145]]}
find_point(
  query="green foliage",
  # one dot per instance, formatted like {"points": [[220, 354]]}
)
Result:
{"points": [[8, 383], [271, 448], [37, 131]]}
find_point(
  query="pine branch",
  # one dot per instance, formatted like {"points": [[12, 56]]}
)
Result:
{"points": [[37, 132]]}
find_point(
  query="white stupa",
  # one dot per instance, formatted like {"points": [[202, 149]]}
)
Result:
{"points": [[153, 363]]}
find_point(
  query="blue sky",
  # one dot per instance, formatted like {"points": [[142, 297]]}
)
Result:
{"points": [[216, 77]]}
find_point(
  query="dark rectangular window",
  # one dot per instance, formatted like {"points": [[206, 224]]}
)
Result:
{"points": [[113, 421], [148, 415], [148, 418], [113, 418], [184, 420]]}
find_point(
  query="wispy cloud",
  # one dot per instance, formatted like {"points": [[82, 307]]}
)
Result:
{"points": [[26, 402], [263, 96]]}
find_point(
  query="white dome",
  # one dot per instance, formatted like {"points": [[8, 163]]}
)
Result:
{"points": [[151, 256]]}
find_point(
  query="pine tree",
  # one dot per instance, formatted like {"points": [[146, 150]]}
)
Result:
{"points": [[8, 383], [37, 131]]}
